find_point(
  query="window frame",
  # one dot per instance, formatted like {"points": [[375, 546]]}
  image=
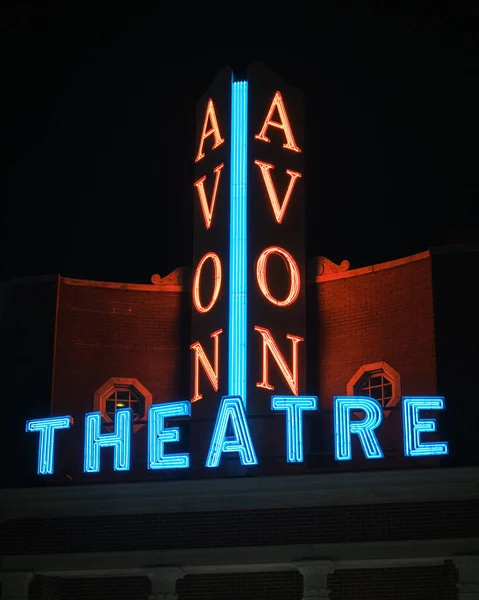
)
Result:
{"points": [[372, 369], [100, 397]]}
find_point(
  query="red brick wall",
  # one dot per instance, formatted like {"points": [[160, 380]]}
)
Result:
{"points": [[304, 525], [385, 315], [115, 332], [104, 332]]}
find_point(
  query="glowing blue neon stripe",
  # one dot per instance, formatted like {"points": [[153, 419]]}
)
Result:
{"points": [[237, 348]]}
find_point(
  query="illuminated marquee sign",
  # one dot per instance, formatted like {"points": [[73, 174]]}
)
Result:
{"points": [[232, 418], [248, 300]]}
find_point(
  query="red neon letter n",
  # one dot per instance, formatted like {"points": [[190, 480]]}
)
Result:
{"points": [[290, 375], [212, 373]]}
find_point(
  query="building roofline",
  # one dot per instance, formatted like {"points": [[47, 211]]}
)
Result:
{"points": [[373, 268], [175, 281], [139, 287]]}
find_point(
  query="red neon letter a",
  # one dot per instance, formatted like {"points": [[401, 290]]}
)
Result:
{"points": [[291, 375], [200, 186], [283, 123], [278, 209], [214, 130], [212, 373]]}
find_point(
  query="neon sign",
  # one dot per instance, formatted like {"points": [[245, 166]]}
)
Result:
{"points": [[249, 143], [214, 130], [238, 339], [213, 373], [279, 210], [290, 375], [208, 209], [278, 105], [232, 417], [263, 280], [215, 259], [119, 439]]}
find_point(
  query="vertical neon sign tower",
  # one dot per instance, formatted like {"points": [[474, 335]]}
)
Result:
{"points": [[248, 325]]}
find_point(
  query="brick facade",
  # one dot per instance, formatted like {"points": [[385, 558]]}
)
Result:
{"points": [[142, 332], [104, 332], [92, 332], [385, 315]]}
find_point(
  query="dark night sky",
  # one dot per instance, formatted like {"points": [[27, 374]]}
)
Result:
{"points": [[97, 132]]}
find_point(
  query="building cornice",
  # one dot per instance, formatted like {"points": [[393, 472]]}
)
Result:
{"points": [[325, 489], [111, 285], [344, 274], [176, 281]]}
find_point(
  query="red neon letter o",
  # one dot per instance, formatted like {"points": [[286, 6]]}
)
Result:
{"points": [[262, 279], [196, 282]]}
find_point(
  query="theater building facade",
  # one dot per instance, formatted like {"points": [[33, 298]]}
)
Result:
{"points": [[259, 426]]}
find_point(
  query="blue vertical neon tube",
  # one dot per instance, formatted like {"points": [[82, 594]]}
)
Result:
{"points": [[237, 346]]}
